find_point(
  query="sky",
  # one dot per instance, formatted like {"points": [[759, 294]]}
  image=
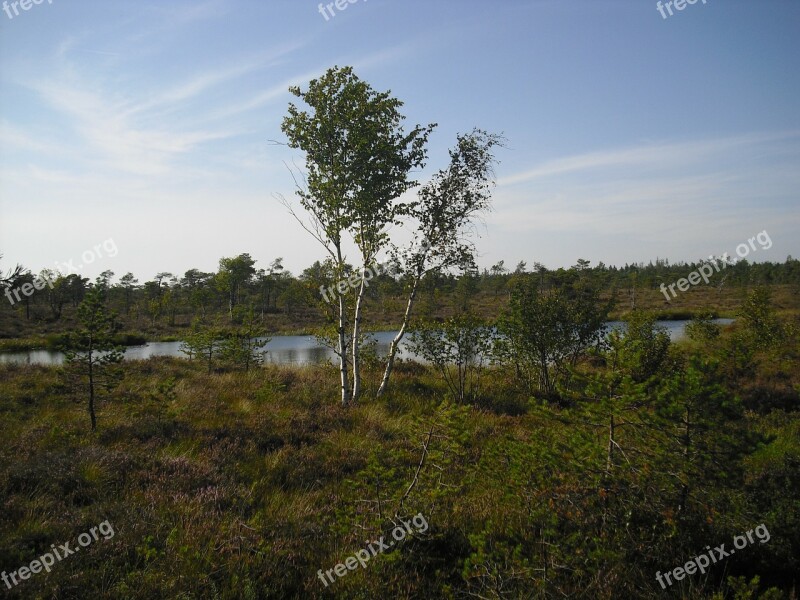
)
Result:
{"points": [[145, 136]]}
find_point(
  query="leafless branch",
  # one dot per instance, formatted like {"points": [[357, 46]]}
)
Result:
{"points": [[419, 469]]}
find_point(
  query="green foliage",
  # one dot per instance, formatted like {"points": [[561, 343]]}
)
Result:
{"points": [[358, 161], [742, 589], [296, 295], [243, 347], [545, 331], [233, 274], [707, 437], [236, 475], [159, 399], [446, 208], [92, 354], [357, 155], [739, 357], [761, 341], [702, 328], [459, 348], [758, 319], [204, 343], [642, 350], [425, 477], [243, 485]]}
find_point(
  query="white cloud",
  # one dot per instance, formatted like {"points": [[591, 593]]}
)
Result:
{"points": [[656, 155]]}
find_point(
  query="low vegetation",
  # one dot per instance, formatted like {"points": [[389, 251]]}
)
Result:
{"points": [[243, 483]]}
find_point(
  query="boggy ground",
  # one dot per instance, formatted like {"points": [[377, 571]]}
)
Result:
{"points": [[384, 313], [244, 485]]}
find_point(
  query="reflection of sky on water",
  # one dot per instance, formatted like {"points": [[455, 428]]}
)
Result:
{"points": [[287, 349], [676, 329], [305, 350], [282, 349]]}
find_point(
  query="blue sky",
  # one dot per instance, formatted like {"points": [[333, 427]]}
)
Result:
{"points": [[630, 136]]}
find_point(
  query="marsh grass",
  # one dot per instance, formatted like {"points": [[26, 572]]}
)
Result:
{"points": [[243, 485]]}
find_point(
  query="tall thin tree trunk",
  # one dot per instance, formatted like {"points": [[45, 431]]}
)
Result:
{"points": [[356, 333], [547, 384], [611, 441], [687, 442], [91, 392], [397, 338], [342, 351]]}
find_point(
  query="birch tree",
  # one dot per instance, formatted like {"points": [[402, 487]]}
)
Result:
{"points": [[358, 160], [446, 211]]}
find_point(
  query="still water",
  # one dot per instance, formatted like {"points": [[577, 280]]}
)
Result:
{"points": [[281, 349]]}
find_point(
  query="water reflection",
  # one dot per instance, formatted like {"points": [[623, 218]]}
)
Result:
{"points": [[281, 349]]}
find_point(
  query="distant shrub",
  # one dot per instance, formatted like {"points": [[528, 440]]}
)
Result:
{"points": [[57, 341], [129, 339], [763, 399], [703, 328]]}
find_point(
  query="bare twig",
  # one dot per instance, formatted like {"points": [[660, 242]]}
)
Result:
{"points": [[419, 469]]}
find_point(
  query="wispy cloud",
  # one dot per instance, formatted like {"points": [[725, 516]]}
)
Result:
{"points": [[658, 155], [703, 190], [22, 139], [108, 130], [172, 15], [176, 96], [265, 96]]}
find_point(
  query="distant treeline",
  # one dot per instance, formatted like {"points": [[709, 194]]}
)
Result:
{"points": [[238, 284]]}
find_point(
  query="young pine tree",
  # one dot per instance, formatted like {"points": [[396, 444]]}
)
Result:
{"points": [[203, 342], [244, 346], [92, 355]]}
